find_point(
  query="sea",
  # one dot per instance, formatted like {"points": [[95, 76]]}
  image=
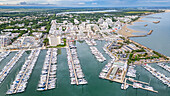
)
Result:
{"points": [[159, 41]]}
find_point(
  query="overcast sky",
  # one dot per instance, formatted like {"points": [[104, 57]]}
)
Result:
{"points": [[95, 3]]}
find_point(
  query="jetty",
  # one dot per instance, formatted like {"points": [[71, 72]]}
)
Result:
{"points": [[165, 80], [148, 89], [99, 56], [48, 73], [137, 36], [138, 85], [150, 32], [6, 70], [3, 55], [166, 67], [156, 22], [91, 42], [132, 80], [19, 84], [76, 73], [49, 68], [73, 67]]}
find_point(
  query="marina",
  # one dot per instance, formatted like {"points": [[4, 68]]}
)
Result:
{"points": [[97, 54], [106, 69], [48, 73], [3, 55], [107, 51], [110, 75], [131, 71], [21, 80], [76, 73], [165, 80], [64, 78], [137, 84], [91, 68], [166, 67], [91, 42], [6, 70]]}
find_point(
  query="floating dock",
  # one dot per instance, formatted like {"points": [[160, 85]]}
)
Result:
{"points": [[48, 73], [76, 73], [5, 71], [19, 84]]}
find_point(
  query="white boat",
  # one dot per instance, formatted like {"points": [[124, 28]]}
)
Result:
{"points": [[122, 86]]}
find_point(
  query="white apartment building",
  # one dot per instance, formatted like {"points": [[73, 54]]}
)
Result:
{"points": [[54, 40], [4, 41]]}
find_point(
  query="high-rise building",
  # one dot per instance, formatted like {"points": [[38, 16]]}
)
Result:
{"points": [[54, 40]]}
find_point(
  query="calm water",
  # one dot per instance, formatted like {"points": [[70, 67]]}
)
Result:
{"points": [[158, 41]]}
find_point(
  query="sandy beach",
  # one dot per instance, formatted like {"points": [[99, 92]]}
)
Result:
{"points": [[167, 10], [125, 31]]}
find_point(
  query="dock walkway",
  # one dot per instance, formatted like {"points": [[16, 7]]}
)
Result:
{"points": [[73, 66], [12, 63]]}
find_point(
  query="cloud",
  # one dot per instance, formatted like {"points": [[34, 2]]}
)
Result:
{"points": [[154, 1], [82, 3], [94, 3]]}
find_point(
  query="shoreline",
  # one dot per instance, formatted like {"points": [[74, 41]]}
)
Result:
{"points": [[130, 32]]}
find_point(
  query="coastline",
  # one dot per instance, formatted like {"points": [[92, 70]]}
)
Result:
{"points": [[128, 32], [167, 11]]}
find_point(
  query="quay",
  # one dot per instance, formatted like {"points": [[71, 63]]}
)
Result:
{"points": [[107, 51], [160, 61], [109, 73], [116, 58]]}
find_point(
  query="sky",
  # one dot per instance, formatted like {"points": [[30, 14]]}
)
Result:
{"points": [[94, 3]]}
